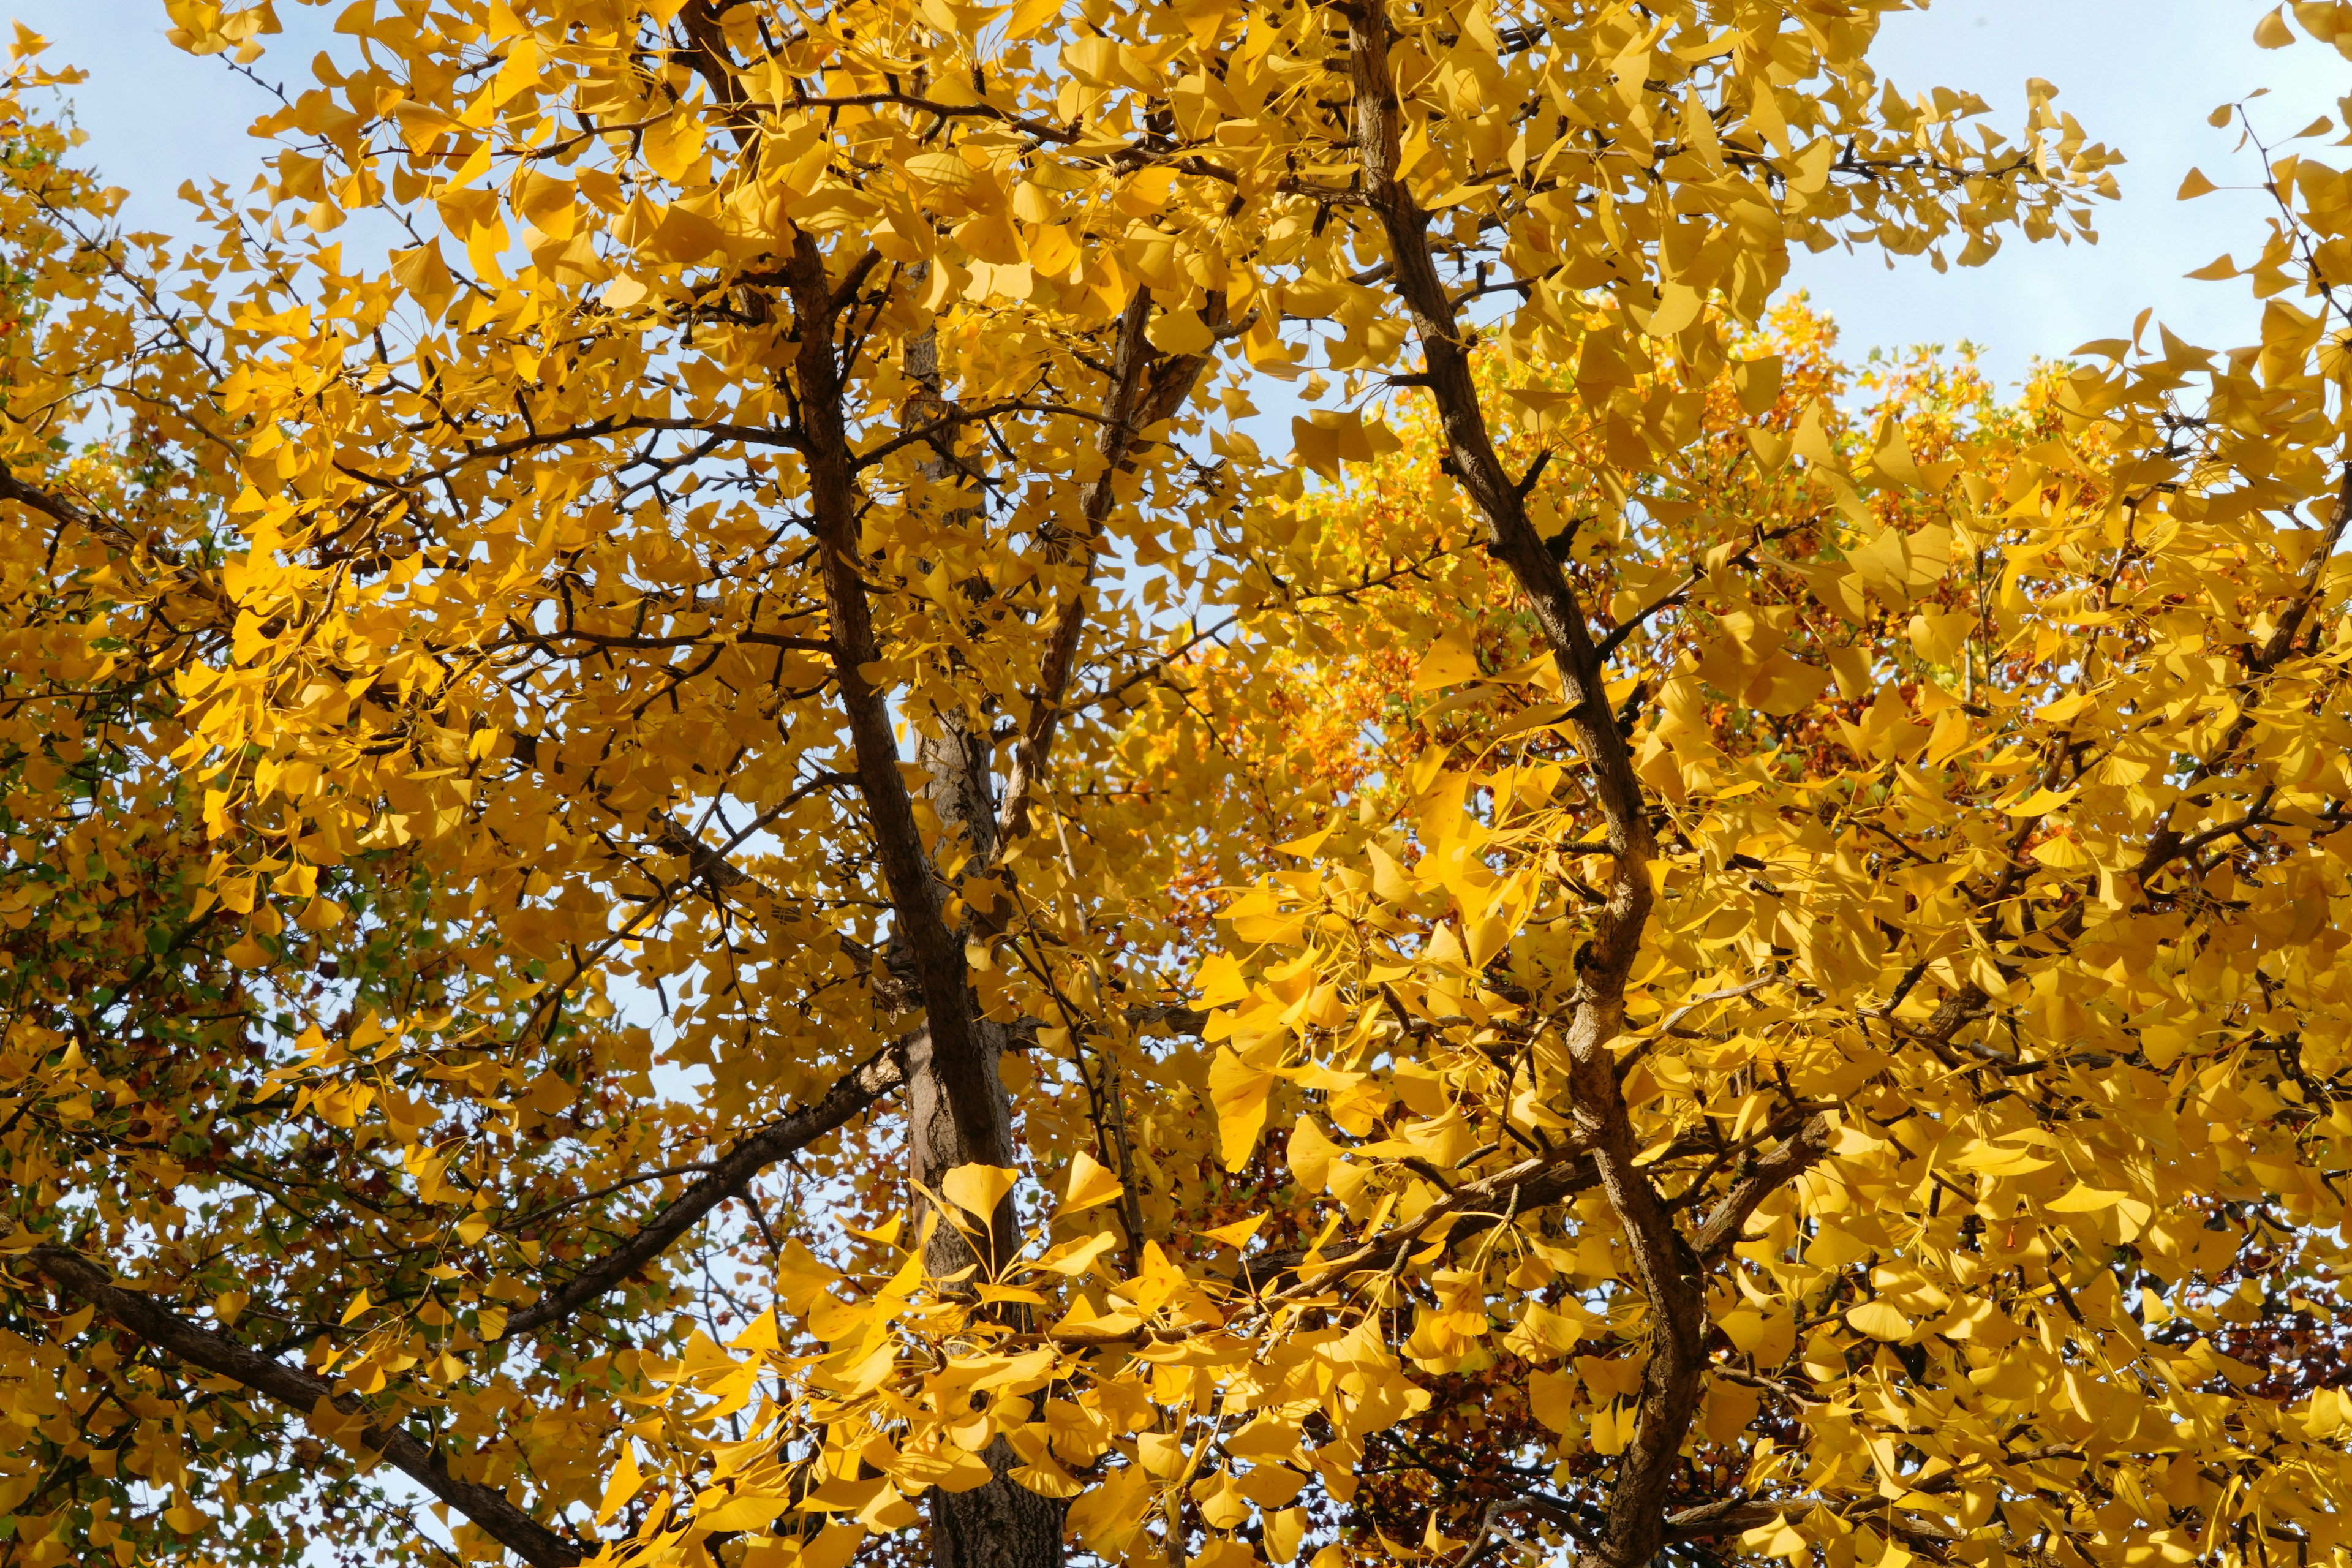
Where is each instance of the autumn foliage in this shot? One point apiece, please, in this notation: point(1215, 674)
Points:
point(716, 854)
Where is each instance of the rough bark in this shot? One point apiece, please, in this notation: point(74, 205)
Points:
point(1004, 1524)
point(1001, 1525)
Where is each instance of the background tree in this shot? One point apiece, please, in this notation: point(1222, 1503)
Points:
point(1743, 1053)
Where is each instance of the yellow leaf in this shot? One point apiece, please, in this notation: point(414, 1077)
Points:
point(1074, 1258)
point(1236, 1234)
point(426, 276)
point(1884, 561)
point(1146, 190)
point(1448, 662)
point(760, 1336)
point(1551, 1397)
point(1219, 981)
point(1879, 1320)
point(2041, 801)
point(1679, 305)
point(1305, 847)
point(1239, 1092)
point(357, 1308)
point(2083, 1198)
point(671, 147)
point(2196, 185)
point(1939, 638)
point(1310, 1155)
point(740, 1511)
point(624, 1485)
point(1181, 331)
point(834, 1546)
point(977, 1189)
point(1283, 1530)
point(1091, 1182)
point(1029, 16)
point(2272, 32)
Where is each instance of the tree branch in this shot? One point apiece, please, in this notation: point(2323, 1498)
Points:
point(1667, 1271)
point(1145, 390)
point(379, 1433)
point(1803, 1151)
point(872, 1078)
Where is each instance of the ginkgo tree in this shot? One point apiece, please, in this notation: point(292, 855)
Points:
point(710, 869)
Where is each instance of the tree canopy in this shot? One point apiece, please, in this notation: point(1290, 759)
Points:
point(710, 862)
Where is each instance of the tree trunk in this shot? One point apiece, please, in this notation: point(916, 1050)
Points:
point(958, 1112)
point(1003, 1524)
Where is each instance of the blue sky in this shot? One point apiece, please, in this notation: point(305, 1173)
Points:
point(2139, 74)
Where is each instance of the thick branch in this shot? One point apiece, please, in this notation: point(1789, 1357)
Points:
point(1731, 1516)
point(956, 1056)
point(1800, 1154)
point(1471, 1209)
point(867, 1082)
point(1144, 391)
point(379, 1433)
point(59, 510)
point(1667, 1270)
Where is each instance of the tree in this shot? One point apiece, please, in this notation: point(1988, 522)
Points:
point(1809, 1024)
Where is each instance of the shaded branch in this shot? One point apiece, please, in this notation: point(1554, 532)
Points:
point(865, 1084)
point(379, 1433)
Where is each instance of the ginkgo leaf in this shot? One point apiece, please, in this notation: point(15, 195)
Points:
point(1219, 981)
point(1879, 1320)
point(1551, 1397)
point(2041, 802)
point(1091, 1182)
point(977, 1189)
point(624, 1483)
point(1448, 662)
point(1076, 1256)
point(1310, 1154)
point(741, 1511)
point(1285, 1528)
point(1238, 1233)
point(1239, 1092)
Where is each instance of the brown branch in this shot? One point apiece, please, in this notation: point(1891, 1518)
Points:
point(59, 510)
point(1667, 1273)
point(1803, 1151)
point(952, 1056)
point(1145, 390)
point(925, 435)
point(1732, 1516)
point(1471, 1209)
point(379, 1433)
point(865, 1084)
